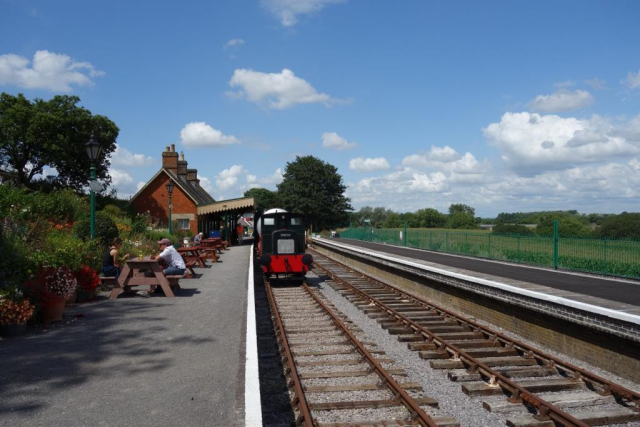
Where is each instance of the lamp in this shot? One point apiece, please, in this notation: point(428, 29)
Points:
point(93, 151)
point(170, 185)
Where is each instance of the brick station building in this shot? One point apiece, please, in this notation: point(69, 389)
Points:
point(192, 207)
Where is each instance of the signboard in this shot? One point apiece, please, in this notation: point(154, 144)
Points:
point(95, 186)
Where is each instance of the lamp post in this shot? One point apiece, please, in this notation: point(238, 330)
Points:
point(170, 190)
point(93, 151)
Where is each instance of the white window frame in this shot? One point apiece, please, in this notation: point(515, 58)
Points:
point(181, 223)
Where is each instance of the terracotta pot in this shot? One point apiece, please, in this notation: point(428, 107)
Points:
point(52, 309)
point(10, 331)
point(71, 299)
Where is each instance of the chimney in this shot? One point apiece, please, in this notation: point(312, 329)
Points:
point(170, 159)
point(182, 167)
point(192, 177)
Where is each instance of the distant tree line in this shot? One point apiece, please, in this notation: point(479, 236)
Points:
point(460, 216)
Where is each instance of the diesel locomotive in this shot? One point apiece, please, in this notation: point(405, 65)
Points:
point(281, 243)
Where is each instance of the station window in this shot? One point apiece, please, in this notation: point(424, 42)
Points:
point(183, 224)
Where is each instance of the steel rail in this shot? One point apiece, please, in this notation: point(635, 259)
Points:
point(607, 387)
point(545, 409)
point(303, 407)
point(412, 406)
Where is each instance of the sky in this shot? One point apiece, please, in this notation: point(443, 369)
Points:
point(505, 106)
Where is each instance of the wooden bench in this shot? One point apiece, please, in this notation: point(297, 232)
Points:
point(174, 280)
point(190, 273)
point(107, 283)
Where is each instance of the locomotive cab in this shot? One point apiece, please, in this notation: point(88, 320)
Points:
point(281, 245)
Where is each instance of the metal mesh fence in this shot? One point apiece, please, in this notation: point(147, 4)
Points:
point(601, 256)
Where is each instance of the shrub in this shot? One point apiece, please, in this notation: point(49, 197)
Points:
point(113, 211)
point(625, 225)
point(64, 249)
point(512, 229)
point(106, 229)
point(87, 278)
point(15, 261)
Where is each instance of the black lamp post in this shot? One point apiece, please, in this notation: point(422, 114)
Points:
point(170, 190)
point(93, 151)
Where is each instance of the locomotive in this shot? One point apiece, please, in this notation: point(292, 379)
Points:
point(281, 243)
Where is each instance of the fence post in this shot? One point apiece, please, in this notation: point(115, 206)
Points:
point(605, 258)
point(405, 233)
point(446, 241)
point(518, 249)
point(555, 244)
point(430, 235)
point(489, 239)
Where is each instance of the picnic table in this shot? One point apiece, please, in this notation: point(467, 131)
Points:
point(144, 272)
point(192, 253)
point(214, 242)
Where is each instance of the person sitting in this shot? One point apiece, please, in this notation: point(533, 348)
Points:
point(197, 238)
point(171, 262)
point(110, 262)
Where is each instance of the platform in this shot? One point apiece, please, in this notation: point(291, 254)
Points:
point(137, 361)
point(590, 317)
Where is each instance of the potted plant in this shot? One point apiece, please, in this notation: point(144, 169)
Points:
point(52, 286)
point(88, 281)
point(14, 316)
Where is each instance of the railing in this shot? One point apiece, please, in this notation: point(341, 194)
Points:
point(601, 256)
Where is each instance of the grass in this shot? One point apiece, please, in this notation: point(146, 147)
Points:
point(609, 257)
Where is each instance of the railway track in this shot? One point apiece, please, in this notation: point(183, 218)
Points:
point(337, 377)
point(532, 388)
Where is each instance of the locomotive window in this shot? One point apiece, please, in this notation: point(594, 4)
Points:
point(268, 221)
point(286, 246)
point(296, 221)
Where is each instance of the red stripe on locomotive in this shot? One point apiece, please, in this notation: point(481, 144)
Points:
point(286, 264)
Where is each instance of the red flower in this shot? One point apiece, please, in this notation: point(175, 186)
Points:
point(88, 279)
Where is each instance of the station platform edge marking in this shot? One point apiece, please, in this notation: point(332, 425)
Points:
point(631, 318)
point(252, 405)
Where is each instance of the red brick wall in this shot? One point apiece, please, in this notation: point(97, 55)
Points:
point(155, 199)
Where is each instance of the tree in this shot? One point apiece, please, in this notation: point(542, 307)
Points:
point(264, 199)
point(568, 226)
point(430, 218)
point(461, 208)
point(52, 133)
point(314, 188)
point(461, 220)
point(626, 225)
point(393, 220)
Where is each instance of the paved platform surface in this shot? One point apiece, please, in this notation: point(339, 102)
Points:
point(617, 294)
point(136, 361)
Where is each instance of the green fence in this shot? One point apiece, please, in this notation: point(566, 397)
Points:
point(600, 256)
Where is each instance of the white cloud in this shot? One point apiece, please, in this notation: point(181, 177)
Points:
point(360, 164)
point(275, 90)
point(632, 81)
point(50, 71)
point(123, 157)
point(531, 143)
point(287, 11)
point(233, 43)
point(561, 100)
point(206, 184)
point(120, 178)
point(229, 177)
point(140, 185)
point(566, 83)
point(200, 134)
point(333, 140)
point(597, 83)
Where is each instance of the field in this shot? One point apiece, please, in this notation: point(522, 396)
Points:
point(608, 257)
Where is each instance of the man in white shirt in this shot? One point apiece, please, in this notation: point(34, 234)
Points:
point(174, 264)
point(171, 260)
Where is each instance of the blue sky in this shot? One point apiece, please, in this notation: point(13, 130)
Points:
point(505, 106)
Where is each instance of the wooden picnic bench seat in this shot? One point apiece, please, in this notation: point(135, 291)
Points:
point(190, 264)
point(107, 283)
point(174, 280)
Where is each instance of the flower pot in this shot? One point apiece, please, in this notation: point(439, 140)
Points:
point(84, 295)
point(52, 309)
point(71, 299)
point(10, 331)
